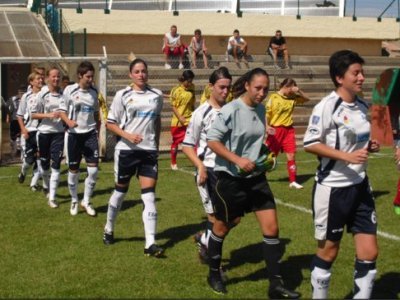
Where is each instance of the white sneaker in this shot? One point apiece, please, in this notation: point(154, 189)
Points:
point(74, 208)
point(295, 185)
point(180, 66)
point(53, 203)
point(167, 66)
point(174, 167)
point(89, 209)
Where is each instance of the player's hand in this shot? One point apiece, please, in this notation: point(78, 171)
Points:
point(54, 115)
point(245, 164)
point(25, 134)
point(135, 138)
point(182, 120)
point(373, 146)
point(202, 176)
point(271, 130)
point(359, 156)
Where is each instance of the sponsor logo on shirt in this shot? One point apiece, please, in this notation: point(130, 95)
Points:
point(315, 120)
point(146, 114)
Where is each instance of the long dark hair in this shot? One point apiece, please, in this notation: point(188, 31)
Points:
point(135, 62)
point(186, 75)
point(238, 88)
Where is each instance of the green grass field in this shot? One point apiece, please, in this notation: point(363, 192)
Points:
point(46, 253)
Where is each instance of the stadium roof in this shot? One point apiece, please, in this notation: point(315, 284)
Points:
point(24, 34)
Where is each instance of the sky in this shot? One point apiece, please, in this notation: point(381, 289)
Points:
point(372, 8)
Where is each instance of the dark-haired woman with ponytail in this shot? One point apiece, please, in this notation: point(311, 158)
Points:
point(182, 99)
point(135, 117)
point(237, 136)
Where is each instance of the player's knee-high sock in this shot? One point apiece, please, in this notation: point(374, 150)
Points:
point(54, 180)
point(149, 215)
point(114, 205)
point(46, 177)
point(205, 237)
point(292, 170)
point(320, 277)
point(24, 168)
point(174, 154)
point(397, 198)
point(215, 253)
point(364, 276)
point(90, 183)
point(36, 174)
point(73, 179)
point(272, 255)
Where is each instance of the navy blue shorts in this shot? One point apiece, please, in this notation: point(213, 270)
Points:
point(51, 146)
point(30, 148)
point(130, 163)
point(83, 144)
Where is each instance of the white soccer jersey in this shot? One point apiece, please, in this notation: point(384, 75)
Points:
point(81, 106)
point(137, 112)
point(48, 102)
point(196, 133)
point(28, 102)
point(343, 126)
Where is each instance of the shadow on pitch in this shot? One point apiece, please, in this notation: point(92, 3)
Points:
point(301, 178)
point(378, 193)
point(291, 269)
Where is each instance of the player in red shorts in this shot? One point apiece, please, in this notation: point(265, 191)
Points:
point(280, 130)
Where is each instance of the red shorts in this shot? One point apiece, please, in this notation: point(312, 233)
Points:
point(283, 140)
point(178, 51)
point(178, 134)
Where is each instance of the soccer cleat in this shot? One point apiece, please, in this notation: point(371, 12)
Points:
point(202, 249)
point(280, 292)
point(167, 66)
point(154, 250)
point(89, 209)
point(74, 209)
point(174, 167)
point(53, 203)
point(108, 238)
point(180, 66)
point(295, 185)
point(35, 188)
point(397, 210)
point(286, 67)
point(21, 177)
point(217, 284)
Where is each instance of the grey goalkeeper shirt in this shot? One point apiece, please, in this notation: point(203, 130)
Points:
point(241, 128)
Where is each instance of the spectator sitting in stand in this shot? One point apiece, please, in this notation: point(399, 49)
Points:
point(277, 47)
point(173, 47)
point(198, 47)
point(237, 47)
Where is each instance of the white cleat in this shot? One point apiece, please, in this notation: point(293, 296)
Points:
point(89, 209)
point(295, 185)
point(74, 208)
point(180, 66)
point(174, 167)
point(53, 203)
point(167, 66)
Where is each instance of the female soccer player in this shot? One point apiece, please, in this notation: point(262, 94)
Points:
point(195, 148)
point(237, 136)
point(339, 134)
point(135, 117)
point(182, 99)
point(51, 132)
point(280, 130)
point(80, 111)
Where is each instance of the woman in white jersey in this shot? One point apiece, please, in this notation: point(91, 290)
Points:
point(237, 136)
point(339, 134)
point(135, 117)
point(196, 149)
point(51, 132)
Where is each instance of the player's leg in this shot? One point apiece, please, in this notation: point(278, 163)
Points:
point(396, 201)
point(124, 168)
point(74, 158)
point(288, 143)
point(56, 153)
point(44, 147)
point(91, 154)
point(28, 155)
point(178, 134)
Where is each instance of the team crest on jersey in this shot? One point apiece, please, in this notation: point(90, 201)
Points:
point(346, 120)
point(313, 130)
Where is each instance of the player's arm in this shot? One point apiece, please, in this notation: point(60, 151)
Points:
point(24, 131)
point(131, 137)
point(359, 156)
point(70, 123)
point(157, 126)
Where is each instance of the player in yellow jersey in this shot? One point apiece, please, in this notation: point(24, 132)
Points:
point(182, 98)
point(280, 130)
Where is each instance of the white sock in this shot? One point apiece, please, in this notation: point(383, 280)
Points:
point(54, 180)
point(364, 277)
point(204, 239)
point(149, 217)
point(35, 177)
point(25, 166)
point(90, 183)
point(73, 179)
point(320, 283)
point(46, 178)
point(114, 205)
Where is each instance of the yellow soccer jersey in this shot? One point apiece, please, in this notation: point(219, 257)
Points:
point(207, 93)
point(279, 109)
point(183, 100)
